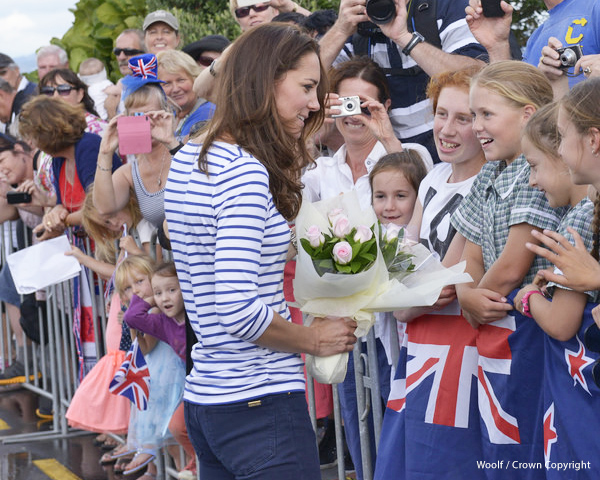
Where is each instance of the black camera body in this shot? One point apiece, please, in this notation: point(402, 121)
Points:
point(569, 56)
point(13, 197)
point(381, 11)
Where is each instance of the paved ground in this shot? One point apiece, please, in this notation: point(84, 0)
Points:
point(74, 458)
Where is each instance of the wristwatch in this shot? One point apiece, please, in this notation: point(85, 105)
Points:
point(525, 302)
point(414, 41)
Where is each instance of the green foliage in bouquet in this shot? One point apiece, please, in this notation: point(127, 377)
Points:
point(352, 253)
point(398, 262)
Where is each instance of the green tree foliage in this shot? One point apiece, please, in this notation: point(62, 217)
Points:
point(97, 23)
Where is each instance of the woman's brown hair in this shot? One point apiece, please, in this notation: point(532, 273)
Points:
point(246, 110)
point(72, 79)
point(408, 162)
point(52, 124)
point(363, 68)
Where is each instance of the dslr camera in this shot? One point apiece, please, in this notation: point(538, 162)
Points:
point(350, 106)
point(381, 11)
point(569, 56)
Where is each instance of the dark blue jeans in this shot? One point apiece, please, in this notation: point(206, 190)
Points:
point(268, 438)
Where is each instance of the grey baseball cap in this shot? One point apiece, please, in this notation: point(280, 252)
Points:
point(161, 16)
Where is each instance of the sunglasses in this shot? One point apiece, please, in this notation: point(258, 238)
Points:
point(130, 52)
point(204, 61)
point(63, 90)
point(245, 11)
point(591, 340)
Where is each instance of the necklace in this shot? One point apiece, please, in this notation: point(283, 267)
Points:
point(159, 181)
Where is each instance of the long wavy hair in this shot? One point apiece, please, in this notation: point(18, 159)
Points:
point(246, 110)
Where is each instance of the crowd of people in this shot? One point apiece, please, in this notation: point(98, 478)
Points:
point(487, 159)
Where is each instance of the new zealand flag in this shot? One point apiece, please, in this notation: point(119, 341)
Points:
point(572, 403)
point(464, 400)
point(132, 380)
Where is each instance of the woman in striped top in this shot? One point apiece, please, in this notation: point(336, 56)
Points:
point(227, 203)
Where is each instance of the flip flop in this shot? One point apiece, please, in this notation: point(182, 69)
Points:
point(142, 466)
point(109, 458)
point(99, 440)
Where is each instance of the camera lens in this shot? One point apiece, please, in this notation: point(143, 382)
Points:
point(568, 58)
point(381, 11)
point(350, 106)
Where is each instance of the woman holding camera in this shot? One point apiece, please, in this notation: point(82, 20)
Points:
point(227, 202)
point(146, 174)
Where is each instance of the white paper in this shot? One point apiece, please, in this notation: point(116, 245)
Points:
point(42, 265)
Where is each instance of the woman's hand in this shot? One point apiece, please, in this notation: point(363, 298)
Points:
point(38, 198)
point(332, 104)
point(333, 335)
point(128, 244)
point(589, 65)
point(54, 220)
point(481, 306)
point(380, 124)
point(110, 139)
point(580, 271)
point(162, 126)
point(521, 293)
point(77, 253)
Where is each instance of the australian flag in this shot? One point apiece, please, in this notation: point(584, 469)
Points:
point(132, 380)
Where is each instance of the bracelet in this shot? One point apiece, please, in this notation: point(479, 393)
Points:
point(174, 150)
point(100, 167)
point(525, 302)
point(293, 238)
point(211, 69)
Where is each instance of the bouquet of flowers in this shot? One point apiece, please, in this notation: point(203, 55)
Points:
point(347, 268)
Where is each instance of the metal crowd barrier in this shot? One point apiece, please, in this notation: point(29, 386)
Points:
point(55, 371)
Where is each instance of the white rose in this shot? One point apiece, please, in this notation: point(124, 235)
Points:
point(342, 253)
point(391, 231)
point(341, 227)
point(363, 234)
point(314, 236)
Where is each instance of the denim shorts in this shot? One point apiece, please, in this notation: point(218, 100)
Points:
point(269, 438)
point(8, 291)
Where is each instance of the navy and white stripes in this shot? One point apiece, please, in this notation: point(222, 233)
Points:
point(229, 245)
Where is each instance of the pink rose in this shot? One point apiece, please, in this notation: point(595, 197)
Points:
point(341, 227)
point(342, 253)
point(363, 234)
point(391, 231)
point(314, 236)
point(334, 214)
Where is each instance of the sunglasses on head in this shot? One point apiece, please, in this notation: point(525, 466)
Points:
point(591, 340)
point(130, 52)
point(63, 90)
point(245, 11)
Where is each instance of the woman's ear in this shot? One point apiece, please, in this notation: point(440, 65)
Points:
point(387, 104)
point(528, 111)
point(594, 134)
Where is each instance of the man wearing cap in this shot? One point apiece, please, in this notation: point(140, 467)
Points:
point(161, 31)
point(207, 49)
point(15, 91)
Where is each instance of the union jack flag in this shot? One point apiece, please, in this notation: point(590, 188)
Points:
point(144, 66)
point(132, 380)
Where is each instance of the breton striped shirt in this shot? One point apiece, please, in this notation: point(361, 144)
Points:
point(229, 245)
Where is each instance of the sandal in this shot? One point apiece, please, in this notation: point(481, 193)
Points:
point(112, 457)
point(109, 444)
point(150, 452)
point(99, 440)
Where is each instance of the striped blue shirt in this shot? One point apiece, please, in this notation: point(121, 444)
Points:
point(229, 245)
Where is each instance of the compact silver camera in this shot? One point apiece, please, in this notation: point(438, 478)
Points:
point(569, 56)
point(350, 106)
